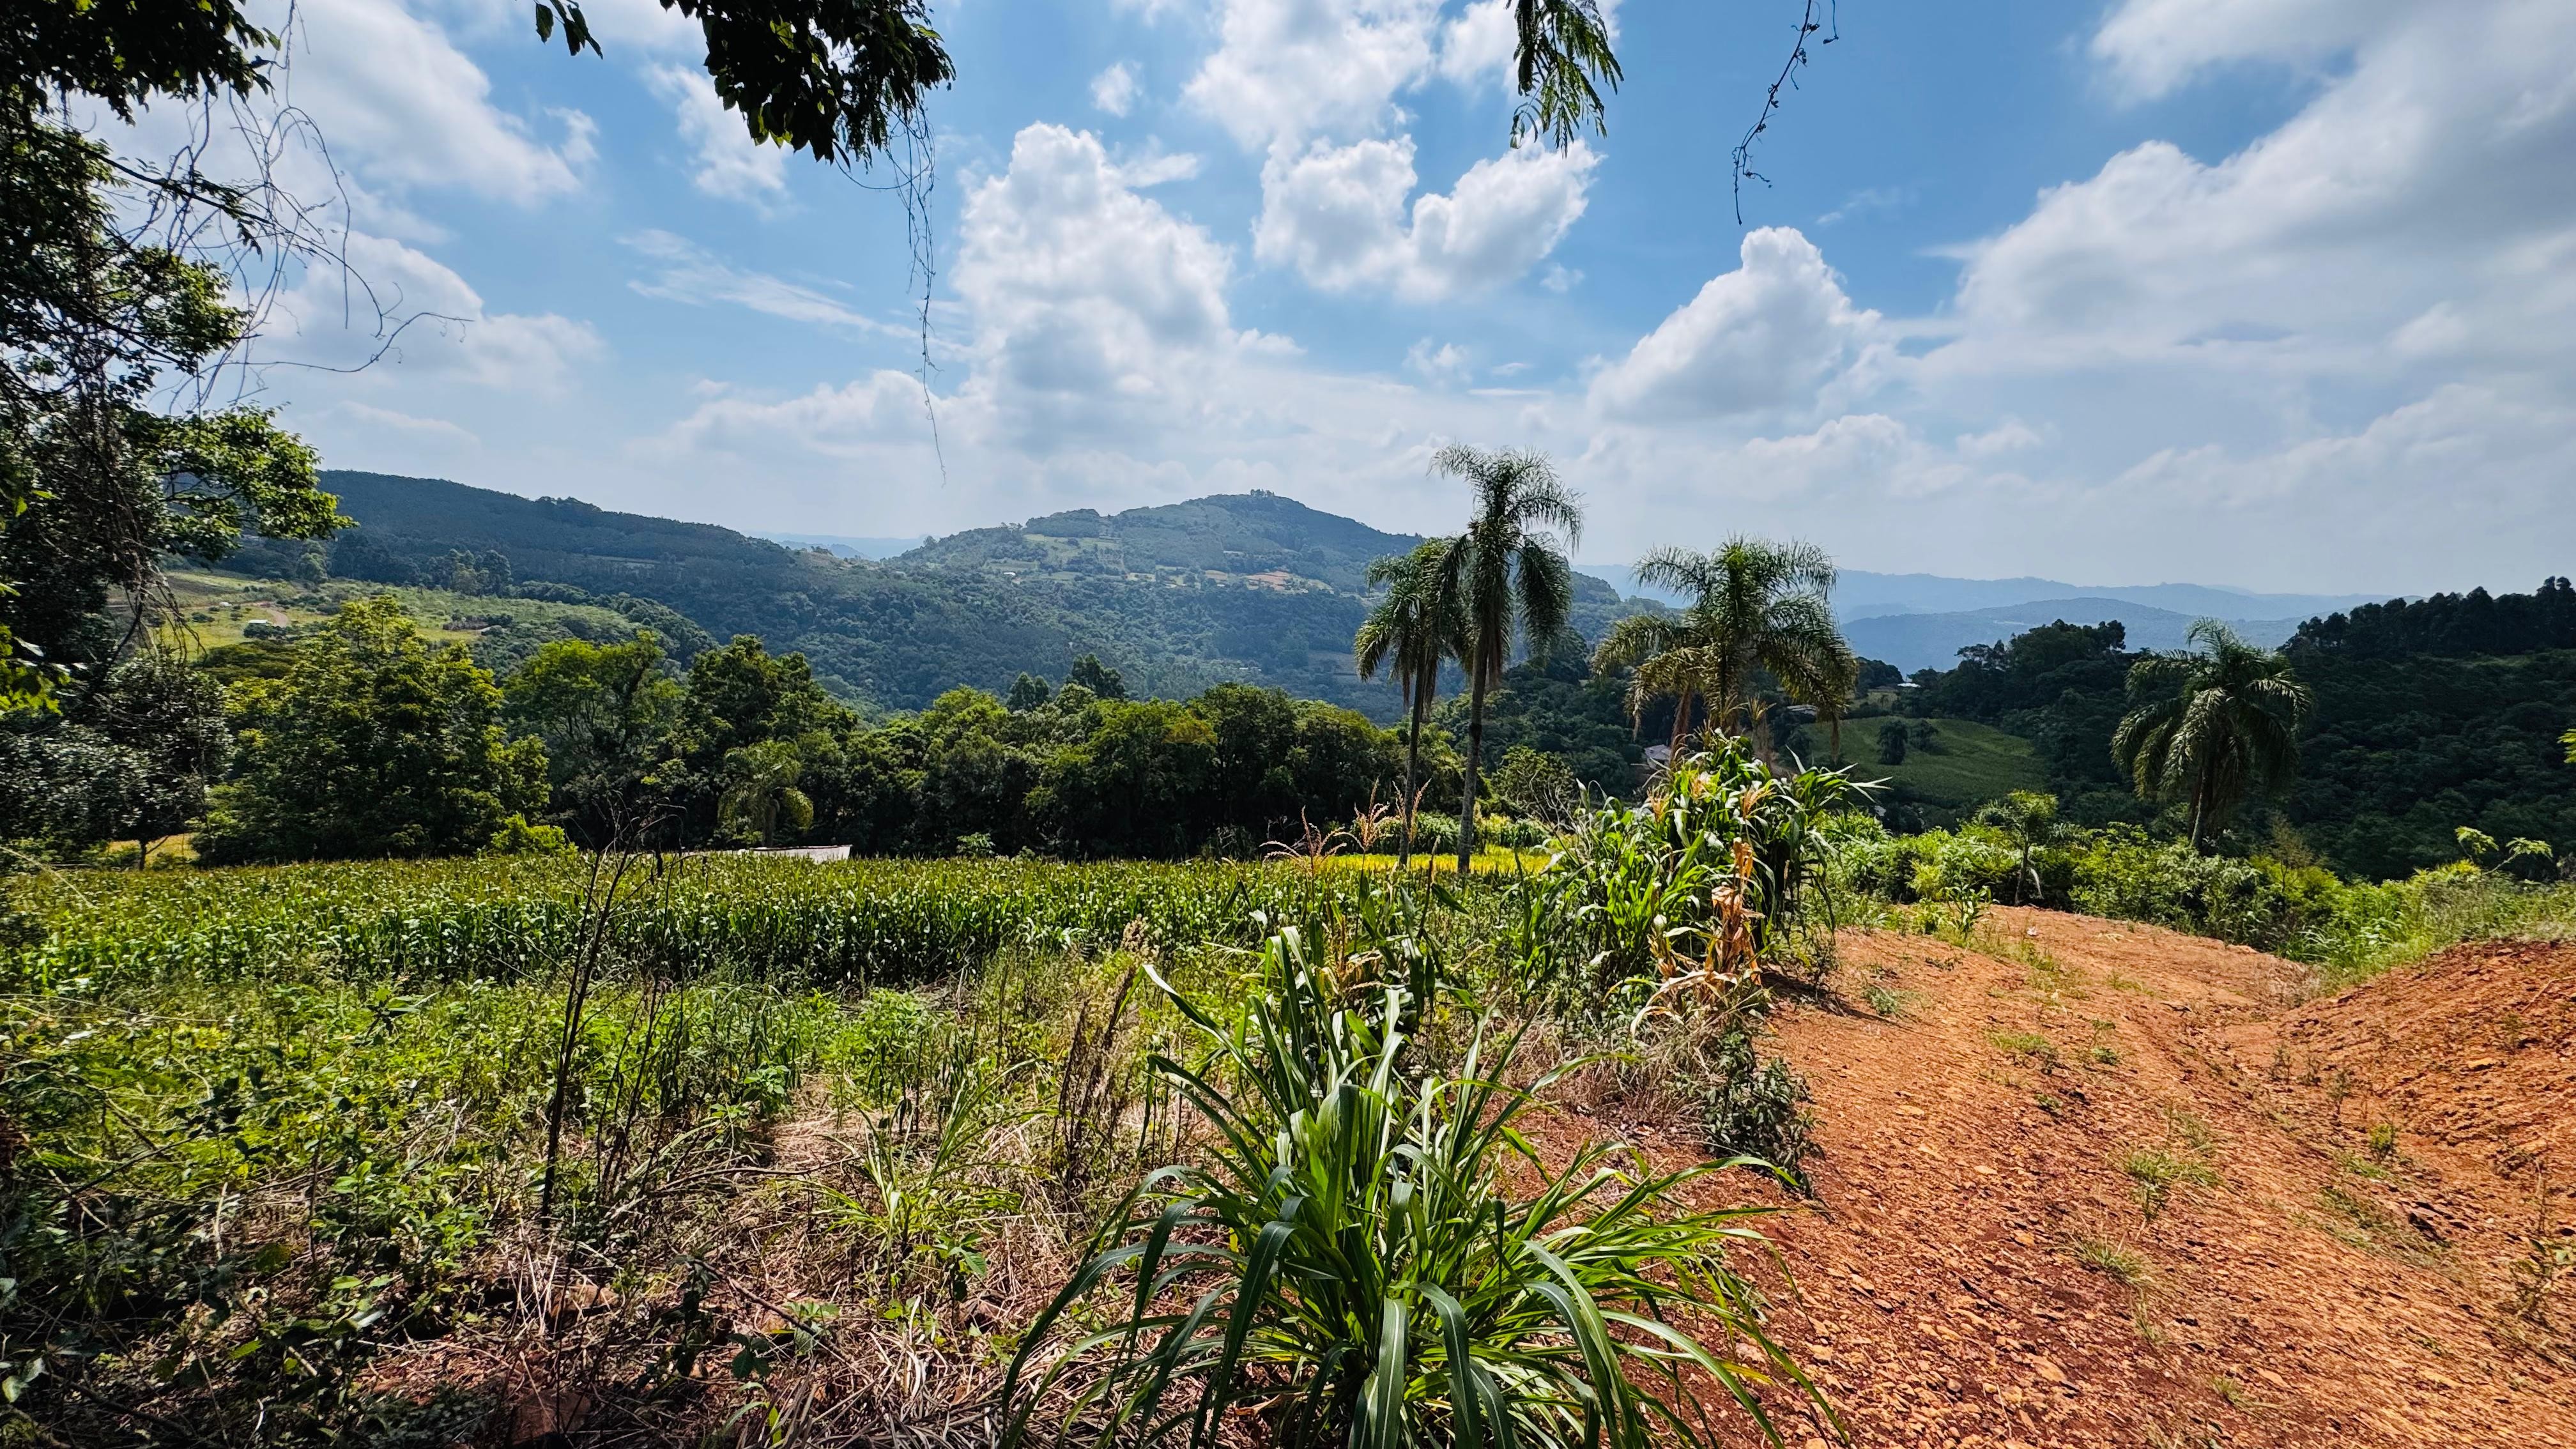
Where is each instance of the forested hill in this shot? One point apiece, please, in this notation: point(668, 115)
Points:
point(1252, 535)
point(1250, 587)
point(2429, 715)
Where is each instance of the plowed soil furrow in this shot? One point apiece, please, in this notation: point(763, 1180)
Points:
point(2097, 1183)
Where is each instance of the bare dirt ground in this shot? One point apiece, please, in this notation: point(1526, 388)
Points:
point(1980, 1265)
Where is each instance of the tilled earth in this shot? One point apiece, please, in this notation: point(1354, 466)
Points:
point(2097, 1183)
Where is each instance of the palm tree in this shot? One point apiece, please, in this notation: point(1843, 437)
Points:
point(1510, 576)
point(1753, 604)
point(1412, 631)
point(2211, 726)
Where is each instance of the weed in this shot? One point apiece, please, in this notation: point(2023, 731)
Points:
point(2025, 1044)
point(2232, 1392)
point(2382, 1141)
point(2154, 1172)
point(2124, 1265)
point(1752, 1106)
point(2105, 1056)
point(1885, 1002)
point(2191, 1129)
point(2049, 1104)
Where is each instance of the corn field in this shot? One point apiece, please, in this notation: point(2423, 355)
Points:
point(791, 923)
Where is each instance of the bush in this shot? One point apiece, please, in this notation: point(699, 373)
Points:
point(517, 837)
point(1753, 1106)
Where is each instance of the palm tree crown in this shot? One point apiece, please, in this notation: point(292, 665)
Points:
point(2212, 726)
point(1510, 577)
point(1752, 604)
point(1417, 626)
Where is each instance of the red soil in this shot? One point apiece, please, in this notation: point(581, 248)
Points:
point(2316, 1293)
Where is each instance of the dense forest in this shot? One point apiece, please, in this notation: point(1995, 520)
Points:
point(2429, 715)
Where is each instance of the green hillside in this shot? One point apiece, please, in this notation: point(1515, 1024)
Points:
point(1251, 588)
point(1946, 775)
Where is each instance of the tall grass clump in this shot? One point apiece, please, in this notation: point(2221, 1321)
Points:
point(1351, 1260)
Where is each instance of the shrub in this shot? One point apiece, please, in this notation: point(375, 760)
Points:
point(517, 837)
point(1753, 1106)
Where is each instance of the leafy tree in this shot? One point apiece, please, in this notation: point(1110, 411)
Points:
point(1139, 785)
point(1028, 692)
point(2209, 728)
point(760, 800)
point(606, 714)
point(744, 695)
point(1754, 606)
point(1103, 681)
point(129, 758)
point(373, 745)
point(838, 79)
point(1537, 785)
point(1415, 627)
point(1510, 576)
point(1891, 742)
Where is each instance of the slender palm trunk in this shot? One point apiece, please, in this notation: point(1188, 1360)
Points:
point(1475, 749)
point(1412, 771)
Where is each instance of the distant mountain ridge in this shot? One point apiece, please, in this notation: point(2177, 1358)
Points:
point(1922, 621)
point(1933, 641)
point(1860, 594)
point(1248, 586)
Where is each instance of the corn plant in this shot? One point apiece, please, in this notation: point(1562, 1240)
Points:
point(1348, 1262)
point(1722, 840)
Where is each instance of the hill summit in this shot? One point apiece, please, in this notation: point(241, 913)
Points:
point(1259, 536)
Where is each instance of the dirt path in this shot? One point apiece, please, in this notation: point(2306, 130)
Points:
point(1983, 1268)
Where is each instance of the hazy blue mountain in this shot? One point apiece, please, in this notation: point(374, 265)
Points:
point(1861, 594)
point(843, 546)
point(1933, 641)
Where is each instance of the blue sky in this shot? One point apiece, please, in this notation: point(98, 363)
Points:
point(2272, 293)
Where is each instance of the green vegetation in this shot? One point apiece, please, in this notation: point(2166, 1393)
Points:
point(793, 923)
point(371, 745)
point(1244, 588)
point(1349, 1251)
point(2155, 1173)
point(1949, 767)
point(2426, 716)
point(2124, 1265)
point(1415, 628)
point(290, 1130)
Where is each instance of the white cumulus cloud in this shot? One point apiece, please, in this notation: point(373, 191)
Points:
point(1767, 335)
point(1337, 215)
